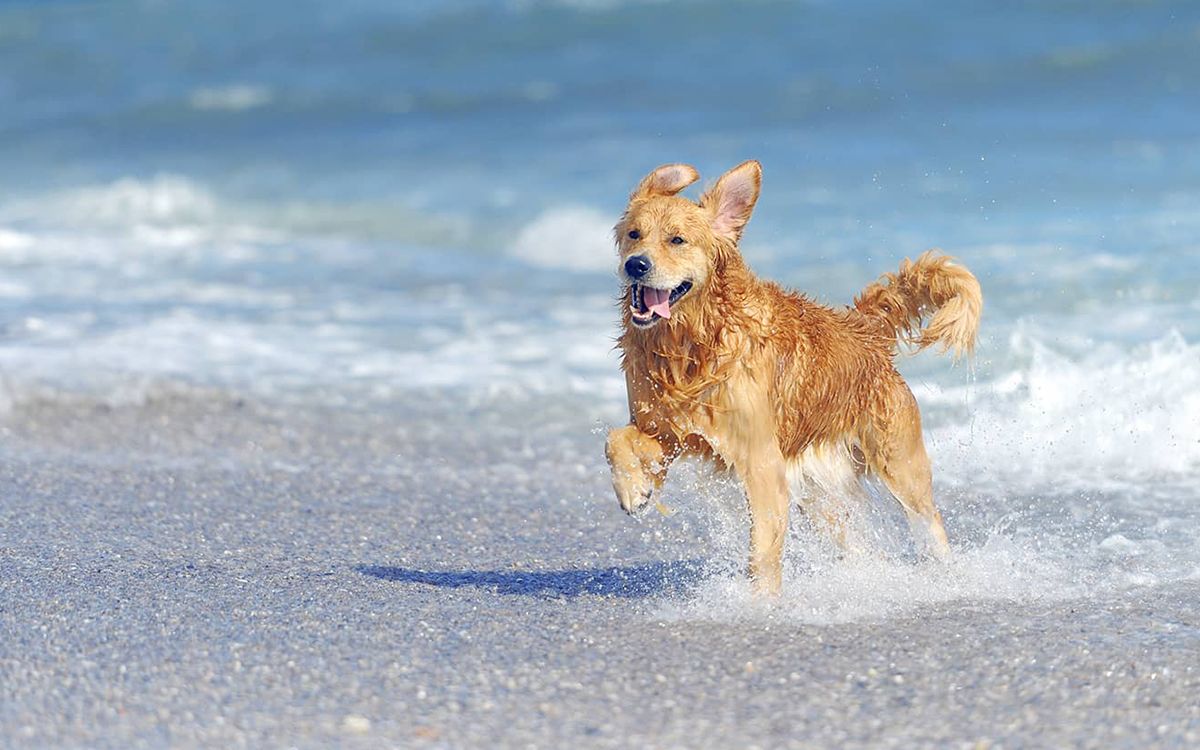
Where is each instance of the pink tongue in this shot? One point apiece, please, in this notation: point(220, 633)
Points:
point(657, 300)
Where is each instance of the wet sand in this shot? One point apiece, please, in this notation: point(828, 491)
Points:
point(197, 571)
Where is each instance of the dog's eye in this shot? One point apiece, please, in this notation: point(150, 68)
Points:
point(676, 240)
point(635, 234)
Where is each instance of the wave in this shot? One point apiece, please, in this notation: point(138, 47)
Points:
point(125, 222)
point(169, 213)
point(285, 354)
point(1107, 417)
point(570, 238)
point(233, 98)
point(164, 198)
point(163, 277)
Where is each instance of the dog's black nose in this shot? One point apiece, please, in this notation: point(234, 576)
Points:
point(637, 266)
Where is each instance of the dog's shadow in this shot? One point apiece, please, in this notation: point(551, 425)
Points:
point(631, 581)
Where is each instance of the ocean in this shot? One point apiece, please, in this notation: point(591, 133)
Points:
point(374, 239)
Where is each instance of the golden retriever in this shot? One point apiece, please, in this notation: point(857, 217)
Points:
point(784, 391)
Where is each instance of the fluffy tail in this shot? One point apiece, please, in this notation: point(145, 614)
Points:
point(933, 286)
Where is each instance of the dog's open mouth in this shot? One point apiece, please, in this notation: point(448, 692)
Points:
point(647, 304)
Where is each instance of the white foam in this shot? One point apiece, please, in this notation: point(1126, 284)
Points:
point(131, 220)
point(571, 238)
point(1020, 557)
point(287, 354)
point(161, 259)
point(163, 198)
point(874, 588)
point(1008, 560)
point(514, 357)
point(233, 98)
point(1109, 417)
point(11, 240)
point(126, 223)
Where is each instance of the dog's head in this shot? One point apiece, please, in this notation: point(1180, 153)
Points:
point(670, 247)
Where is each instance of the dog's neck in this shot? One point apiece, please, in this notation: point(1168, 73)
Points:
point(686, 355)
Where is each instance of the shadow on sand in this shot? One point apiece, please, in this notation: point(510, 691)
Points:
point(631, 581)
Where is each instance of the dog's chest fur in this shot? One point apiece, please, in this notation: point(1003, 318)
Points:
point(678, 382)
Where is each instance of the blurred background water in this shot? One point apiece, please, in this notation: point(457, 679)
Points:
point(406, 207)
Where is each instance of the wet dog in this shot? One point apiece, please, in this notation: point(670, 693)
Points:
point(781, 390)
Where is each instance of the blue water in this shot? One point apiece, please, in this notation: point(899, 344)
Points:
point(406, 207)
point(379, 199)
point(420, 193)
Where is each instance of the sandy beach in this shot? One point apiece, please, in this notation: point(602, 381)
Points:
point(180, 574)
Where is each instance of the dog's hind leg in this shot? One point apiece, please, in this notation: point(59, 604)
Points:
point(826, 486)
point(832, 520)
point(895, 452)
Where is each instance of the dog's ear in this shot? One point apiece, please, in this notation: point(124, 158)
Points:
point(732, 199)
point(668, 179)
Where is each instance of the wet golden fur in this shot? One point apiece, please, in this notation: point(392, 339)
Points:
point(768, 382)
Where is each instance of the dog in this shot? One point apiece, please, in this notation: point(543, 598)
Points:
point(768, 383)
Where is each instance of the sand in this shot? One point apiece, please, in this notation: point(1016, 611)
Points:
point(198, 571)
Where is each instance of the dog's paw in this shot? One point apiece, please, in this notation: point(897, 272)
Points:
point(633, 491)
point(633, 457)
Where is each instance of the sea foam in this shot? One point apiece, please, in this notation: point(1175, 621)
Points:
point(1111, 416)
point(571, 238)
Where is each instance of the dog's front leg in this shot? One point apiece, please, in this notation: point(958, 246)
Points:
point(764, 476)
point(639, 465)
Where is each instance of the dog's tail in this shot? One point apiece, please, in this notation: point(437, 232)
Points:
point(935, 287)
